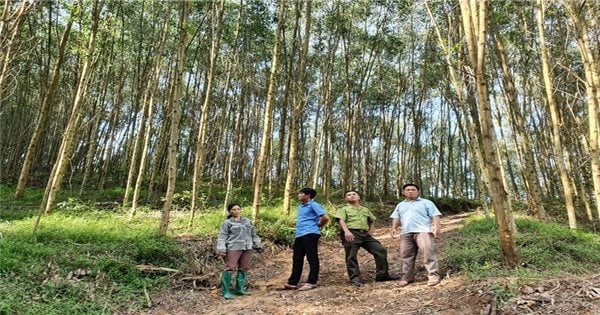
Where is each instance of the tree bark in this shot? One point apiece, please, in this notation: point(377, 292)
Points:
point(560, 155)
point(70, 133)
point(44, 113)
point(474, 18)
point(176, 105)
point(265, 146)
point(298, 109)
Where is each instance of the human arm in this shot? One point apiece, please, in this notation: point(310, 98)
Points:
point(323, 220)
point(222, 239)
point(436, 230)
point(348, 236)
point(395, 225)
point(256, 242)
point(371, 227)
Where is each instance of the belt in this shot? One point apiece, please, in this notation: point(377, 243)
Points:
point(359, 230)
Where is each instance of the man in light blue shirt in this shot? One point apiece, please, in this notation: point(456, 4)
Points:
point(420, 220)
point(311, 217)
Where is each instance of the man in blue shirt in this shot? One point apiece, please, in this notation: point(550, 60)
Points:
point(420, 220)
point(311, 217)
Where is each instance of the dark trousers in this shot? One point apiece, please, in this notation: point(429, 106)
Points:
point(369, 243)
point(306, 245)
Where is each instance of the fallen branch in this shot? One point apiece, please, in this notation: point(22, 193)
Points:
point(150, 268)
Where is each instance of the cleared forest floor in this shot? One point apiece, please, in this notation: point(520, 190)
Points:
point(334, 295)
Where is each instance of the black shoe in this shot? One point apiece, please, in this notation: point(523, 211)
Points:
point(356, 282)
point(387, 278)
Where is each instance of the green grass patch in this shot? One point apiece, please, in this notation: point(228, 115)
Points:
point(544, 250)
point(80, 263)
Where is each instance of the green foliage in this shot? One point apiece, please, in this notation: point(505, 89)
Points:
point(544, 250)
point(42, 273)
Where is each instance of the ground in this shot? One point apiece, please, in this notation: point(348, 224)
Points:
point(454, 295)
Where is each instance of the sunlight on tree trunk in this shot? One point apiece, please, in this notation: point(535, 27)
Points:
point(560, 154)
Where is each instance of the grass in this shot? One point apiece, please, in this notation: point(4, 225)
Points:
point(545, 250)
point(42, 273)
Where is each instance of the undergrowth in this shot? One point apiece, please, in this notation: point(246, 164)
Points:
point(79, 264)
point(544, 250)
point(83, 258)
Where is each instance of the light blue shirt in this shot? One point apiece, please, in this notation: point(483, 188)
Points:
point(308, 217)
point(416, 216)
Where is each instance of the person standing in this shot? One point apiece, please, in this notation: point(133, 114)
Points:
point(420, 221)
point(357, 227)
point(309, 221)
point(236, 241)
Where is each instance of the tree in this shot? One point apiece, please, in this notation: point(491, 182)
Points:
point(175, 105)
point(560, 155)
point(265, 146)
point(70, 132)
point(474, 18)
point(44, 112)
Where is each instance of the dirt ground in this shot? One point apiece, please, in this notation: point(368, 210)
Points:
point(334, 295)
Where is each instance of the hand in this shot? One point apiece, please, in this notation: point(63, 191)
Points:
point(394, 233)
point(436, 232)
point(349, 236)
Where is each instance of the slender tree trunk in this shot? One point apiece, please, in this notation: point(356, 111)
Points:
point(591, 66)
point(474, 18)
point(299, 101)
point(70, 133)
point(175, 104)
point(202, 132)
point(43, 114)
point(560, 154)
point(528, 168)
point(149, 106)
point(9, 43)
point(267, 122)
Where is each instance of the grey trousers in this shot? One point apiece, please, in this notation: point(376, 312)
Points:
point(410, 244)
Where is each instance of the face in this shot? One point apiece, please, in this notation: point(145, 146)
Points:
point(302, 197)
point(235, 212)
point(352, 196)
point(410, 192)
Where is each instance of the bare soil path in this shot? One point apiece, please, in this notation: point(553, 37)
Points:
point(334, 295)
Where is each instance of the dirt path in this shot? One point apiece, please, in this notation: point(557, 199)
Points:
point(454, 295)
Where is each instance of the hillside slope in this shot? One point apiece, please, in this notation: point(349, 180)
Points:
point(454, 295)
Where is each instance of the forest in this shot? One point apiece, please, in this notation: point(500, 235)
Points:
point(178, 108)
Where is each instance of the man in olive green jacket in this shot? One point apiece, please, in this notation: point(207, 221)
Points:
point(356, 223)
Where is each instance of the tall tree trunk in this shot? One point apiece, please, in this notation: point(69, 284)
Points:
point(175, 105)
point(8, 41)
point(591, 65)
point(528, 168)
point(265, 146)
point(560, 154)
point(149, 106)
point(474, 18)
point(43, 115)
point(70, 133)
point(299, 101)
point(202, 132)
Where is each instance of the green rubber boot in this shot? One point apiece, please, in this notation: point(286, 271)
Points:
point(225, 283)
point(240, 283)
